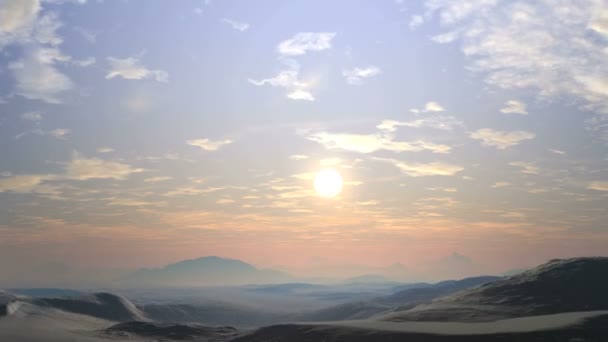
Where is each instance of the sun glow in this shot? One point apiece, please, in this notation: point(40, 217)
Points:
point(328, 183)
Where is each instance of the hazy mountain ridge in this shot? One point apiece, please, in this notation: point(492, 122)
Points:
point(210, 270)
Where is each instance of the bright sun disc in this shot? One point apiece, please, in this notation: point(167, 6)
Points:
point(328, 183)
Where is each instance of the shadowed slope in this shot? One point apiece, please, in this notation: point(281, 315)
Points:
point(101, 305)
point(577, 284)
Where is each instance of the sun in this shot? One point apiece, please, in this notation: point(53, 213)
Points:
point(328, 183)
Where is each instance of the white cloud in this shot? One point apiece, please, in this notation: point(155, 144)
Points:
point(157, 179)
point(31, 116)
point(303, 42)
point(557, 47)
point(556, 151)
point(528, 168)
point(298, 157)
point(17, 15)
point(356, 76)
point(446, 123)
point(501, 139)
point(290, 80)
point(84, 62)
point(237, 25)
point(433, 106)
point(424, 169)
point(59, 133)
point(81, 168)
point(208, 145)
point(37, 77)
point(21, 183)
point(368, 143)
point(300, 94)
point(105, 150)
point(514, 107)
point(415, 21)
point(598, 185)
point(430, 106)
point(131, 69)
point(500, 184)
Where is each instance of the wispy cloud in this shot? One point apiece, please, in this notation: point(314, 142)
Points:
point(59, 133)
point(598, 185)
point(298, 157)
point(130, 68)
point(500, 139)
point(37, 76)
point(81, 168)
point(423, 169)
point(207, 144)
point(237, 25)
point(523, 45)
point(157, 179)
point(446, 123)
point(356, 76)
point(430, 106)
point(368, 143)
point(303, 42)
point(31, 116)
point(289, 79)
point(514, 107)
point(526, 167)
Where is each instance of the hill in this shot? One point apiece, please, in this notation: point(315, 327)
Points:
point(209, 270)
point(577, 284)
point(106, 306)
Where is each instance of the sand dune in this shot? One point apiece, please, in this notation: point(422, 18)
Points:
point(567, 327)
point(577, 284)
point(101, 305)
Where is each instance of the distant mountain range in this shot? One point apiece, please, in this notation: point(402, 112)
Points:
point(211, 270)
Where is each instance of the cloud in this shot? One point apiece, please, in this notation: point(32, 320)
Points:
point(290, 80)
point(81, 168)
point(557, 47)
point(59, 133)
point(157, 179)
point(237, 25)
point(298, 157)
point(598, 185)
point(514, 107)
point(31, 116)
point(424, 169)
point(356, 76)
point(208, 145)
point(433, 106)
point(303, 42)
point(500, 184)
point(85, 62)
point(556, 151)
point(17, 15)
point(131, 69)
point(499, 139)
point(21, 183)
point(430, 106)
point(37, 77)
point(300, 94)
point(415, 21)
point(105, 150)
point(368, 143)
point(446, 123)
point(528, 168)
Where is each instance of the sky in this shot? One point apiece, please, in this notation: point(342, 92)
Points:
point(471, 136)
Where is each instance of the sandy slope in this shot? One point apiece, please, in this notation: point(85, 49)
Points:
point(29, 323)
point(512, 325)
point(566, 327)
